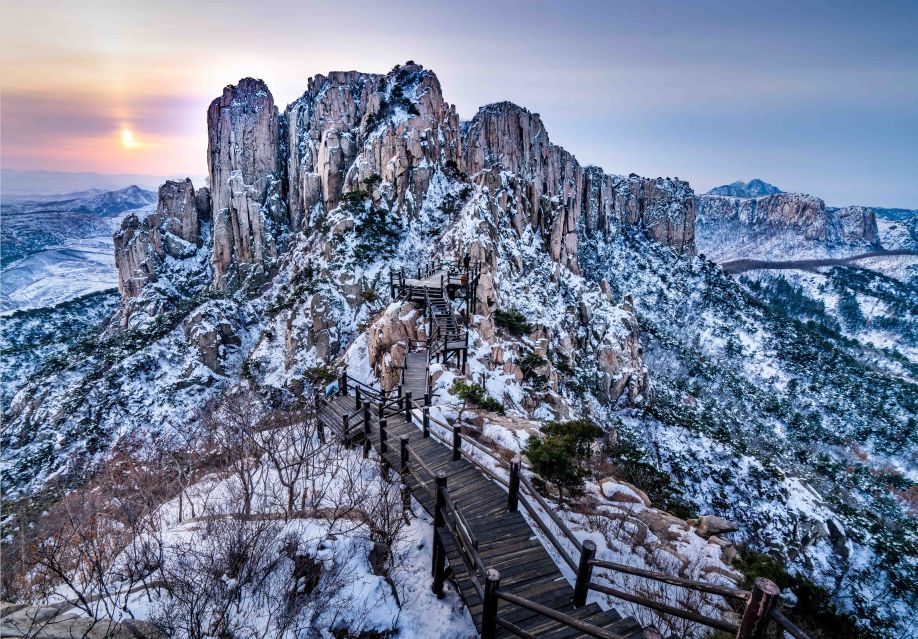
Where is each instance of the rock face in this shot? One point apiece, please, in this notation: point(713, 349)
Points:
point(805, 215)
point(388, 135)
point(245, 176)
point(663, 207)
point(173, 230)
point(178, 206)
point(388, 341)
point(855, 224)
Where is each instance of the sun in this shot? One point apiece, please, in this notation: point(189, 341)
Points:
point(128, 140)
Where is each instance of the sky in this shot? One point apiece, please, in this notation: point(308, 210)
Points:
point(815, 97)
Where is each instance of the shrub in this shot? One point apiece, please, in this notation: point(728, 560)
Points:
point(320, 375)
point(530, 363)
point(476, 395)
point(560, 456)
point(512, 320)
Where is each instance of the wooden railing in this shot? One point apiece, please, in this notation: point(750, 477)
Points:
point(759, 603)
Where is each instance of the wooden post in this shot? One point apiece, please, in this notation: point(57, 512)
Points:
point(584, 573)
point(427, 397)
point(367, 444)
point(513, 497)
point(400, 397)
point(383, 444)
point(382, 411)
point(320, 428)
point(345, 426)
point(357, 397)
point(343, 389)
point(403, 449)
point(425, 422)
point(457, 442)
point(489, 605)
point(408, 407)
point(756, 617)
point(439, 559)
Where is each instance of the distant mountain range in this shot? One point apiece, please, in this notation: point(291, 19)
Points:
point(58, 247)
point(20, 184)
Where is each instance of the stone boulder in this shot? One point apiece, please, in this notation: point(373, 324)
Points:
point(388, 337)
point(709, 525)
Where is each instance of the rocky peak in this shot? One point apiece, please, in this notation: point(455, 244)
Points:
point(173, 231)
point(245, 170)
point(663, 207)
point(508, 137)
point(349, 127)
point(753, 188)
point(178, 207)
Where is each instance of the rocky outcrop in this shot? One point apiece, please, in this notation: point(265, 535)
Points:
point(805, 215)
point(388, 341)
point(663, 207)
point(213, 329)
point(854, 224)
point(173, 230)
point(508, 137)
point(352, 131)
point(138, 250)
point(178, 207)
point(65, 621)
point(243, 161)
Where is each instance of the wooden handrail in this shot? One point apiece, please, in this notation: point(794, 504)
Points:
point(551, 513)
point(567, 620)
point(519, 632)
point(421, 463)
point(453, 506)
point(726, 626)
point(788, 625)
point(548, 533)
point(693, 584)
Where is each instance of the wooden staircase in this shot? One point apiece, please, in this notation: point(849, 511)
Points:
point(503, 539)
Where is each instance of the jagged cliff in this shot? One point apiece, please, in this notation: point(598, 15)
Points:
point(243, 160)
point(174, 230)
point(781, 226)
point(272, 175)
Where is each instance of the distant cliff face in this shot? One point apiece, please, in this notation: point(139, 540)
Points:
point(664, 207)
point(780, 226)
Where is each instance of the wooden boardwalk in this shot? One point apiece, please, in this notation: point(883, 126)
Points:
point(414, 375)
point(505, 540)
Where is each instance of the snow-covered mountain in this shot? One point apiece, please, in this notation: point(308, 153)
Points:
point(59, 248)
point(752, 188)
point(743, 399)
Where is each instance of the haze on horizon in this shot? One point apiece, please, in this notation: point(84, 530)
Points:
point(815, 97)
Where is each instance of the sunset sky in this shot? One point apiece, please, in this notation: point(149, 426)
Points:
point(814, 97)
